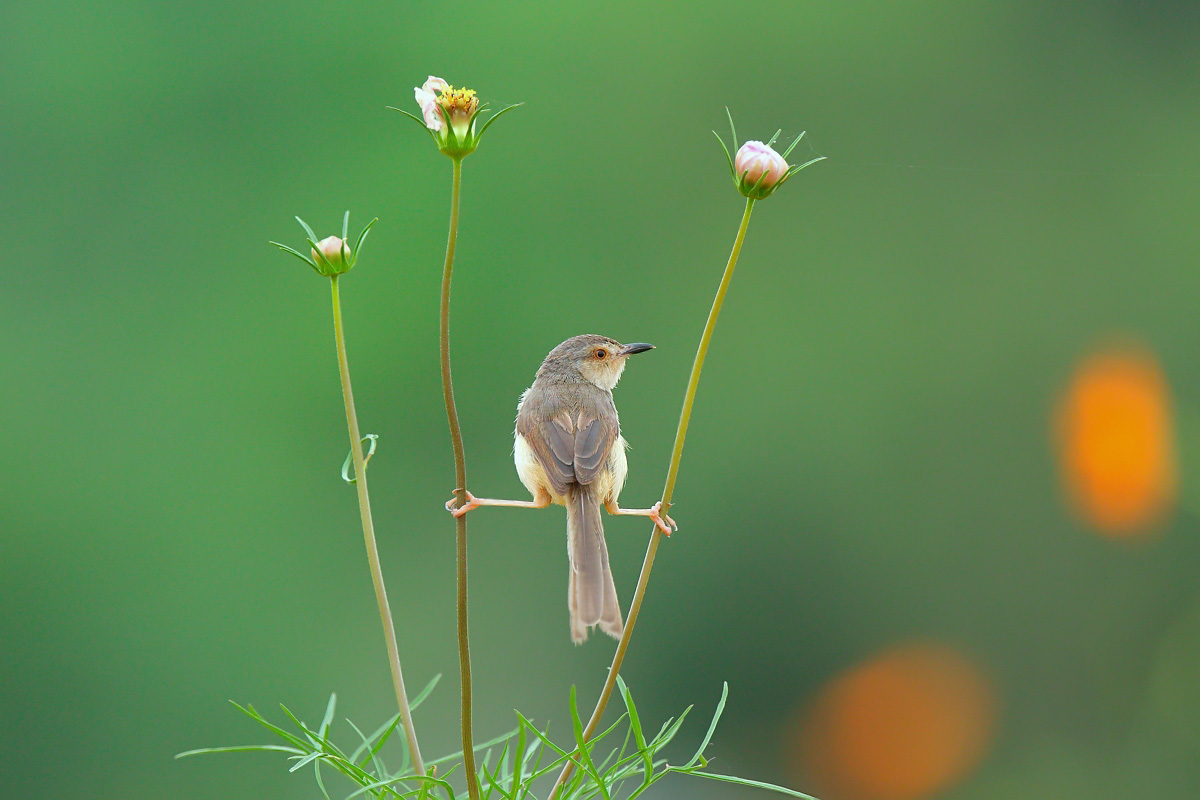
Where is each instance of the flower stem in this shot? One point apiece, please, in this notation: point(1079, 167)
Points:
point(460, 478)
point(685, 417)
point(368, 526)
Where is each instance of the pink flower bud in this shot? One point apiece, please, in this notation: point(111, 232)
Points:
point(336, 252)
point(753, 161)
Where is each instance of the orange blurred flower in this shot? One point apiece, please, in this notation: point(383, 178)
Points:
point(903, 725)
point(1115, 437)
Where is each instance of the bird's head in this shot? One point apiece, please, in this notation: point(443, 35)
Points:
point(597, 359)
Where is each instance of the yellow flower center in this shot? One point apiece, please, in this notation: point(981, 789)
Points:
point(458, 101)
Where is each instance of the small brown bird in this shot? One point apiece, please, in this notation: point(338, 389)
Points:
point(569, 451)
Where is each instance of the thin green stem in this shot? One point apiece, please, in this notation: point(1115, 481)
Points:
point(460, 477)
point(685, 417)
point(368, 526)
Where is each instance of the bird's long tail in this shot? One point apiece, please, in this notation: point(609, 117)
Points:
point(591, 593)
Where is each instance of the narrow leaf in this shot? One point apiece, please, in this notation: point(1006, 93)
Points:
point(712, 776)
point(712, 726)
point(328, 718)
point(635, 724)
point(244, 748)
point(303, 761)
point(421, 695)
point(278, 731)
point(581, 748)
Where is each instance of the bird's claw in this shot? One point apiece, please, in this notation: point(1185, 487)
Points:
point(471, 503)
point(665, 526)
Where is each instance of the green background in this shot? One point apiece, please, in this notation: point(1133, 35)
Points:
point(869, 461)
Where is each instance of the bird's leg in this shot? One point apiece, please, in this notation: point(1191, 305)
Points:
point(473, 502)
point(664, 523)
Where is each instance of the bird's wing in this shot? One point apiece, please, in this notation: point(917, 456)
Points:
point(571, 445)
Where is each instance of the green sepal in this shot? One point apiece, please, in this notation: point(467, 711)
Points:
point(728, 158)
point(792, 146)
point(493, 118)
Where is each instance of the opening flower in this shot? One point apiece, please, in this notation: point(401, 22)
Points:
point(440, 102)
point(449, 115)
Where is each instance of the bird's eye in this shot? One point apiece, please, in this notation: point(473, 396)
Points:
point(601, 354)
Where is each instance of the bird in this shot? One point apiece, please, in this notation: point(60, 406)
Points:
point(568, 450)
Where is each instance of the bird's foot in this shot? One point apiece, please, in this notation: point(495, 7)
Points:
point(458, 511)
point(664, 522)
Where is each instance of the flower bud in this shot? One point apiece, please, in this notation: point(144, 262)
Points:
point(336, 252)
point(758, 169)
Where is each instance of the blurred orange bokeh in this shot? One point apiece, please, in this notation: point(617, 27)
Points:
point(1115, 438)
point(901, 726)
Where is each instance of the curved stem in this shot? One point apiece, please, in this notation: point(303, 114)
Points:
point(368, 526)
point(460, 477)
point(685, 417)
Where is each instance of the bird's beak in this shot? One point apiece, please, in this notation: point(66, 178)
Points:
point(636, 347)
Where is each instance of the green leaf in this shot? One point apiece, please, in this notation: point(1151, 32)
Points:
point(317, 739)
point(669, 730)
point(731, 128)
point(421, 695)
point(712, 726)
point(387, 783)
point(328, 718)
point(366, 745)
point(296, 741)
point(545, 739)
point(636, 724)
point(303, 761)
point(581, 748)
point(476, 748)
point(518, 754)
point(346, 225)
point(712, 776)
point(244, 748)
point(319, 779)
